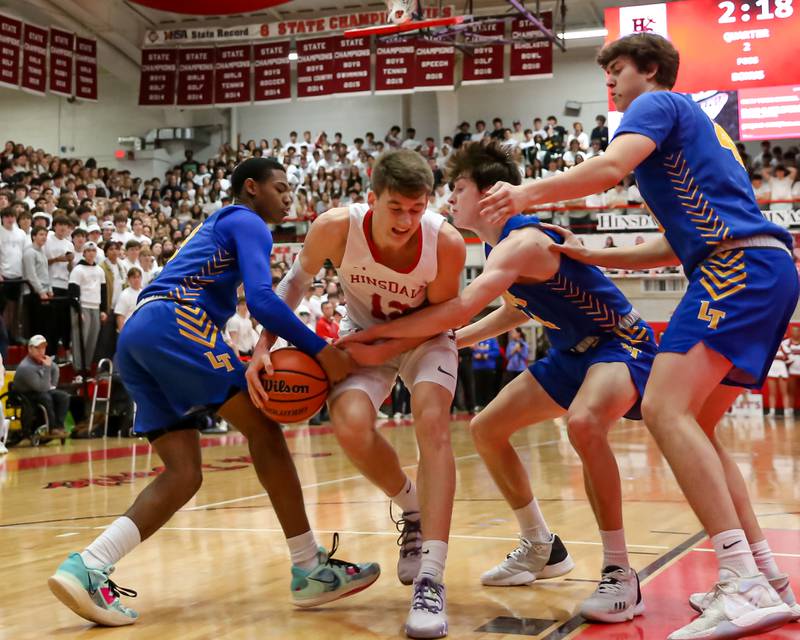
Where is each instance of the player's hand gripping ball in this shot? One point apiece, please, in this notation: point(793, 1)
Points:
point(298, 388)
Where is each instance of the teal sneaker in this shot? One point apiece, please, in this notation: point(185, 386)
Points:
point(90, 593)
point(331, 579)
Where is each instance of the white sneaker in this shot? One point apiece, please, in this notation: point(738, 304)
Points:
point(410, 543)
point(617, 598)
point(737, 607)
point(529, 562)
point(3, 449)
point(700, 601)
point(771, 413)
point(788, 413)
point(428, 615)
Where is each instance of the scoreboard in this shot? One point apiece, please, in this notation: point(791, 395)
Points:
point(739, 58)
point(725, 45)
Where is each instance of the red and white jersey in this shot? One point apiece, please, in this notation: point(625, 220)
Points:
point(374, 293)
point(791, 352)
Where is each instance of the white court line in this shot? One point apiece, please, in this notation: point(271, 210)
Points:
point(67, 535)
point(356, 477)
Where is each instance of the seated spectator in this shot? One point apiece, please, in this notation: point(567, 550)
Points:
point(462, 136)
point(761, 189)
point(573, 153)
point(326, 325)
point(617, 198)
point(600, 132)
point(780, 180)
point(126, 304)
point(595, 149)
point(36, 378)
point(580, 135)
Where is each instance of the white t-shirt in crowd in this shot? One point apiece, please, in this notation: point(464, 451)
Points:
point(246, 335)
point(127, 265)
point(122, 237)
point(59, 271)
point(142, 239)
point(89, 278)
point(126, 303)
point(12, 244)
point(780, 188)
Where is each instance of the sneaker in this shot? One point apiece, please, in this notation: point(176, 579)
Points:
point(428, 617)
point(788, 413)
point(410, 543)
point(737, 607)
point(771, 413)
point(700, 601)
point(90, 593)
point(529, 562)
point(331, 579)
point(3, 448)
point(617, 598)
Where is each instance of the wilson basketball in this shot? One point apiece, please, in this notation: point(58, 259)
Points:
point(298, 388)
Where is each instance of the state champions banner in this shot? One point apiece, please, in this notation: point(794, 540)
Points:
point(394, 65)
point(10, 51)
point(34, 59)
point(534, 58)
point(195, 77)
point(352, 66)
point(315, 68)
point(158, 77)
point(86, 69)
point(483, 64)
point(232, 72)
point(62, 55)
point(435, 66)
point(272, 73)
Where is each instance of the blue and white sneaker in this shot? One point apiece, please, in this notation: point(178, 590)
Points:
point(331, 579)
point(90, 593)
point(428, 615)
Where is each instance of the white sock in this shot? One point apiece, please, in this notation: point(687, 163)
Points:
point(765, 561)
point(615, 552)
point(434, 555)
point(112, 545)
point(531, 522)
point(734, 553)
point(407, 499)
point(304, 550)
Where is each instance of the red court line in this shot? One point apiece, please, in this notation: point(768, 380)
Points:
point(12, 463)
point(665, 595)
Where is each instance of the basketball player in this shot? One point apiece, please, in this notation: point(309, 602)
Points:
point(724, 333)
point(595, 373)
point(392, 256)
point(173, 362)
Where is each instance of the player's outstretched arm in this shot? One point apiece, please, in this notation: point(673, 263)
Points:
point(501, 320)
point(651, 253)
point(502, 268)
point(326, 239)
point(600, 173)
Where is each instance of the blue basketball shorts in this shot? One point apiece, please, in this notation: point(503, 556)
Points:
point(738, 303)
point(561, 373)
point(174, 362)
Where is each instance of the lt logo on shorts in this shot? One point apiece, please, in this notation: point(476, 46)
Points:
point(712, 316)
point(222, 360)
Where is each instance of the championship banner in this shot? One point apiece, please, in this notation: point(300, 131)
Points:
point(315, 68)
point(435, 65)
point(62, 53)
point(352, 67)
point(85, 69)
point(394, 66)
point(283, 29)
point(483, 64)
point(533, 59)
point(232, 75)
point(272, 72)
point(196, 77)
point(157, 79)
point(10, 46)
point(34, 59)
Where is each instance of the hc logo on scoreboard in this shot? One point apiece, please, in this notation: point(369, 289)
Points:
point(648, 18)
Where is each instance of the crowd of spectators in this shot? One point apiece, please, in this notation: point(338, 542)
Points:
point(78, 241)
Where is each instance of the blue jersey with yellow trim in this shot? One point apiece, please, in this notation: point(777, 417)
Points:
point(577, 302)
point(694, 183)
point(230, 248)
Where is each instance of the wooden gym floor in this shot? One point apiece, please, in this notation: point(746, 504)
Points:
point(220, 569)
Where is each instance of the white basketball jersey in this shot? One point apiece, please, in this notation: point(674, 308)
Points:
point(374, 293)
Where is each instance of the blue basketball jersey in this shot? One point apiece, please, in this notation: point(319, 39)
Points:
point(694, 183)
point(579, 301)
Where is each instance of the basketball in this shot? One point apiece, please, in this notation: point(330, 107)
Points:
point(298, 388)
